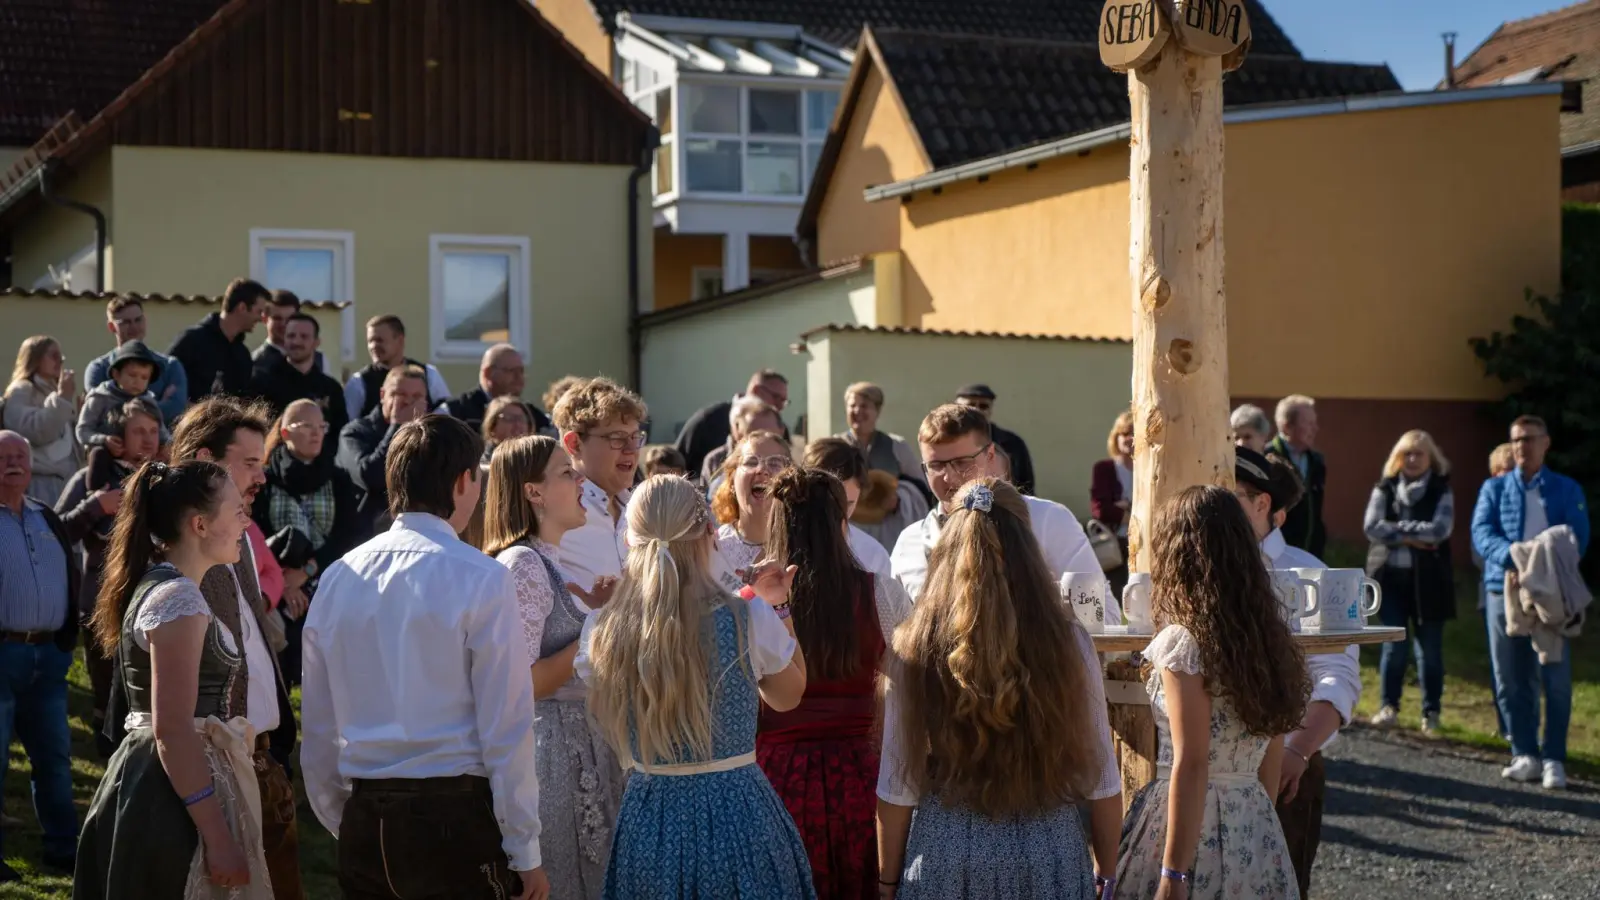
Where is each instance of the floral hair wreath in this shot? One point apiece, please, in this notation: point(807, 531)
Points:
point(979, 498)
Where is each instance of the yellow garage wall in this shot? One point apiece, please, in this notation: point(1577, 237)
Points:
point(185, 217)
point(80, 325)
point(1363, 249)
point(577, 22)
point(709, 356)
point(53, 235)
point(880, 147)
point(1065, 429)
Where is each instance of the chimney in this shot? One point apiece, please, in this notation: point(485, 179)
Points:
point(1449, 59)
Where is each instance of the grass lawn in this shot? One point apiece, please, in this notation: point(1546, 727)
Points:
point(22, 848)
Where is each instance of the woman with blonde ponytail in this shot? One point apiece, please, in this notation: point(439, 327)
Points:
point(994, 725)
point(178, 811)
point(677, 670)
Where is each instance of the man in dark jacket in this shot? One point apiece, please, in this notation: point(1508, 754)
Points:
point(501, 375)
point(981, 398)
point(39, 584)
point(213, 352)
point(295, 376)
point(280, 309)
point(386, 345)
point(1297, 434)
point(709, 428)
point(364, 444)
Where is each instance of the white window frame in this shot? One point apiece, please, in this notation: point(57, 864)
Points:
point(343, 245)
point(810, 144)
point(519, 295)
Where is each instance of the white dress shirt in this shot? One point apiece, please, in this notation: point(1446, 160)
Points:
point(1061, 538)
point(1335, 677)
point(600, 547)
point(261, 693)
point(415, 667)
point(870, 554)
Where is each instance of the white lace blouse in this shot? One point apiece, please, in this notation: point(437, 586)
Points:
point(170, 601)
point(536, 596)
point(893, 788)
point(740, 553)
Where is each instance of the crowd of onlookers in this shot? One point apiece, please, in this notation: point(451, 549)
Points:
point(312, 462)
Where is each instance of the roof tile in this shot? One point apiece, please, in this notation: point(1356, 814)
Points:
point(1563, 45)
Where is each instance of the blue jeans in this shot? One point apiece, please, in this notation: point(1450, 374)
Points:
point(1429, 640)
point(1518, 675)
point(33, 708)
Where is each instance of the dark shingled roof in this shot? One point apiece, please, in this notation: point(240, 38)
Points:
point(971, 97)
point(841, 21)
point(59, 56)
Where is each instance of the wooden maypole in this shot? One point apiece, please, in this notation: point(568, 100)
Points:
point(1175, 52)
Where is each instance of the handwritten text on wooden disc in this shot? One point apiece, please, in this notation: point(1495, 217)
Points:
point(1132, 33)
point(1212, 27)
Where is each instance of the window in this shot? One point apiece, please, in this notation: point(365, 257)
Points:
point(479, 294)
point(762, 141)
point(706, 282)
point(315, 265)
point(75, 273)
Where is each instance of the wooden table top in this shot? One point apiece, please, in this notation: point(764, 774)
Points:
point(1117, 639)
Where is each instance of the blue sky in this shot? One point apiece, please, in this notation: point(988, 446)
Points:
point(1402, 33)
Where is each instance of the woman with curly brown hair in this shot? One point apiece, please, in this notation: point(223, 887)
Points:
point(994, 725)
point(742, 502)
point(1227, 682)
point(822, 756)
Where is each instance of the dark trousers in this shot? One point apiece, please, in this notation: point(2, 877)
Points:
point(280, 835)
point(423, 839)
point(1302, 822)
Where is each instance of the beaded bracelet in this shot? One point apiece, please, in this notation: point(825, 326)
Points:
point(1175, 875)
point(783, 611)
point(199, 795)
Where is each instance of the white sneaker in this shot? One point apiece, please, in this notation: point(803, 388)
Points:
point(1522, 768)
point(1430, 723)
point(1386, 716)
point(1555, 776)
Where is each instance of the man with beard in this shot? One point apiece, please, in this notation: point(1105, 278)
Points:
point(295, 376)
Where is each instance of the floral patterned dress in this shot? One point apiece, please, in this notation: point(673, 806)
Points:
point(580, 781)
point(1242, 851)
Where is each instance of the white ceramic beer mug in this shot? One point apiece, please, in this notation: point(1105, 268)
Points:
point(1088, 595)
point(1136, 604)
point(1298, 596)
point(1345, 601)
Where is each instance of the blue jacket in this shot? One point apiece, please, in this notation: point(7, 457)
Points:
point(172, 374)
point(1498, 518)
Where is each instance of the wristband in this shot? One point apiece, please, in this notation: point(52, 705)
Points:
point(199, 795)
point(784, 612)
point(894, 883)
point(747, 592)
point(1105, 888)
point(1175, 875)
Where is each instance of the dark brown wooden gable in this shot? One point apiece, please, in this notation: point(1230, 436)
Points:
point(474, 79)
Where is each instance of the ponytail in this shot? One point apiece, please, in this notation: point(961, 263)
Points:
point(157, 498)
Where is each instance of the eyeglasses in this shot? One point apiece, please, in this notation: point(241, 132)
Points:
point(962, 466)
point(309, 426)
point(621, 441)
point(773, 464)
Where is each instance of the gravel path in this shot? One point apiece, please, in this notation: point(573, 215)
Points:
point(1411, 819)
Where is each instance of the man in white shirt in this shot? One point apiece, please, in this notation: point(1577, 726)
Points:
point(226, 431)
point(956, 448)
point(599, 421)
point(839, 458)
point(386, 345)
point(418, 709)
point(1268, 489)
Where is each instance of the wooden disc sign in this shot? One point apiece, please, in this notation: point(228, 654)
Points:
point(1132, 33)
point(1212, 27)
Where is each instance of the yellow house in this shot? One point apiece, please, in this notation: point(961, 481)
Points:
point(1368, 238)
point(468, 171)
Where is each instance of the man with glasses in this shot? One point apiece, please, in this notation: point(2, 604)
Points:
point(600, 427)
point(710, 427)
point(502, 374)
point(125, 320)
point(956, 447)
point(982, 398)
point(1515, 507)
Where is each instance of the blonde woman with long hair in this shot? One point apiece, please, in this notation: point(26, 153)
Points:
point(41, 404)
point(1409, 520)
point(677, 671)
point(995, 725)
point(533, 499)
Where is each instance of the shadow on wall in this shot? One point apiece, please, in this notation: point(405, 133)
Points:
point(1357, 435)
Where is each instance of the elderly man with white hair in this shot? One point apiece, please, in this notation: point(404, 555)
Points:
point(1297, 437)
point(502, 374)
